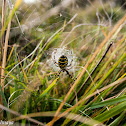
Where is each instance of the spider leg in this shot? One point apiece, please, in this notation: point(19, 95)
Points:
point(58, 73)
point(70, 75)
point(56, 64)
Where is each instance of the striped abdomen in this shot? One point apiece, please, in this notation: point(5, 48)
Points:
point(62, 62)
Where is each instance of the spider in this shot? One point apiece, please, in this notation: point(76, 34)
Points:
point(63, 65)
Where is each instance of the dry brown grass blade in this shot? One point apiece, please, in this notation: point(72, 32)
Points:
point(71, 116)
point(18, 114)
point(5, 54)
point(2, 42)
point(2, 25)
point(25, 76)
point(32, 64)
point(93, 94)
point(119, 23)
point(103, 32)
point(4, 57)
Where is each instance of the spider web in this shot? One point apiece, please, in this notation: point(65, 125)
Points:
point(45, 19)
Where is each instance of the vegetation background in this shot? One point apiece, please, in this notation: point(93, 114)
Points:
point(31, 94)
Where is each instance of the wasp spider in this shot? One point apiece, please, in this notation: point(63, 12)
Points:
point(63, 59)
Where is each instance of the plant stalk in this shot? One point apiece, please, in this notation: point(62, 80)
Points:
point(2, 43)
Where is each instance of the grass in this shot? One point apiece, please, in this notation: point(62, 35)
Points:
point(31, 94)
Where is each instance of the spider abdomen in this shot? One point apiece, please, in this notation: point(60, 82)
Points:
point(63, 62)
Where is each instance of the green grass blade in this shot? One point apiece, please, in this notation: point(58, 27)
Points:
point(48, 89)
point(112, 112)
point(118, 120)
point(108, 102)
